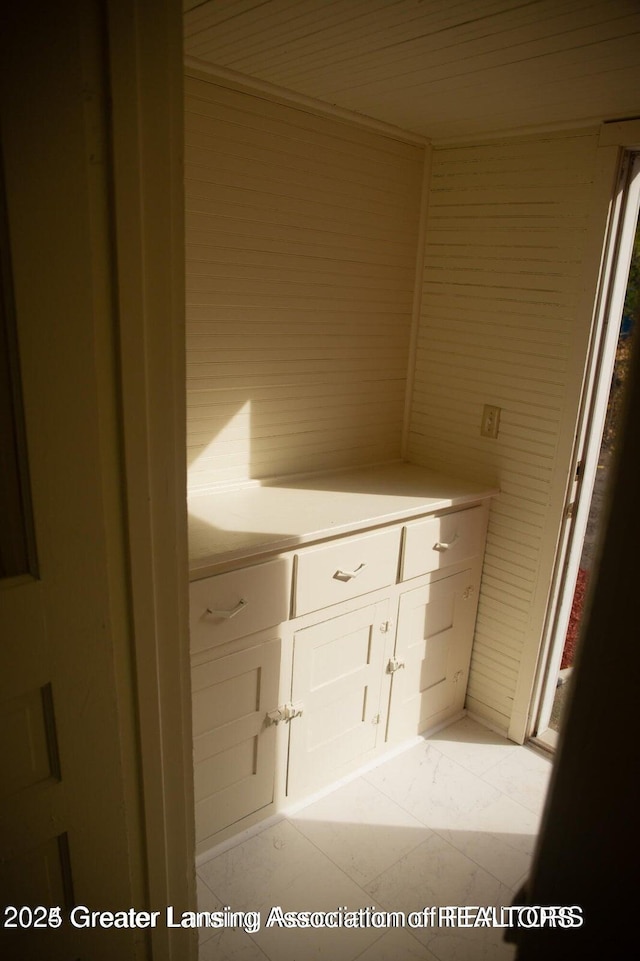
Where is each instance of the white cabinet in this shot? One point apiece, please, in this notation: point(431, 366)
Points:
point(307, 665)
point(236, 660)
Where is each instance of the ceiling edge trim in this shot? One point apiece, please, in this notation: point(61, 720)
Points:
point(621, 133)
point(208, 71)
point(588, 124)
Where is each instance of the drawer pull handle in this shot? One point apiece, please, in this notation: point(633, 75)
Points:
point(349, 575)
point(445, 545)
point(240, 606)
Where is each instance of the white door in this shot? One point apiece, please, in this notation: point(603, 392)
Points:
point(589, 432)
point(68, 831)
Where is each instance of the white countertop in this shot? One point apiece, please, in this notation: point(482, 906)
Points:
point(262, 518)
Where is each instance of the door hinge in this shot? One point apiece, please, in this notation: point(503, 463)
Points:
point(394, 665)
point(285, 713)
point(385, 627)
point(570, 509)
point(376, 719)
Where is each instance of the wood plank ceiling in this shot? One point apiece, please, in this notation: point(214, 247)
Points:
point(443, 69)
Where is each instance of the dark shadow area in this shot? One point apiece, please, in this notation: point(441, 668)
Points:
point(589, 820)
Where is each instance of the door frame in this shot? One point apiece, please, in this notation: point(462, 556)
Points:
point(624, 137)
point(92, 118)
point(145, 76)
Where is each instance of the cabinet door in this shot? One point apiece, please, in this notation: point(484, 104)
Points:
point(234, 746)
point(338, 674)
point(433, 648)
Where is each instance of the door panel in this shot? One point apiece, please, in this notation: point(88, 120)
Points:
point(234, 747)
point(69, 801)
point(35, 866)
point(337, 676)
point(434, 638)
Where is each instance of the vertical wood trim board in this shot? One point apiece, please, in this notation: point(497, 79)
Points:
point(301, 235)
point(502, 319)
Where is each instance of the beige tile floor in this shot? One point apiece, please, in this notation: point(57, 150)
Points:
point(450, 821)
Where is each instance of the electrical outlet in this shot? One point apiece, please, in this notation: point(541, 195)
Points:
point(490, 421)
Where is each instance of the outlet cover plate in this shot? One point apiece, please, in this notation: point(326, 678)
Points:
point(490, 421)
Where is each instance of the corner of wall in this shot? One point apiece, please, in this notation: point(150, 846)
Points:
point(417, 299)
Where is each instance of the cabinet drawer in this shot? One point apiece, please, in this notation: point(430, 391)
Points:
point(345, 569)
point(437, 542)
point(232, 605)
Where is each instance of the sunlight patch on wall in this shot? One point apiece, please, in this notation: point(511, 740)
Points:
point(230, 443)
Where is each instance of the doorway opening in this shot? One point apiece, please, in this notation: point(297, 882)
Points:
point(615, 329)
point(628, 333)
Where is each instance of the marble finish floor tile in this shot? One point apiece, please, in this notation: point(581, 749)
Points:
point(434, 789)
point(360, 829)
point(500, 837)
point(470, 944)
point(438, 875)
point(472, 745)
point(231, 945)
point(207, 901)
point(434, 874)
point(397, 945)
point(226, 944)
point(523, 776)
point(281, 868)
point(451, 821)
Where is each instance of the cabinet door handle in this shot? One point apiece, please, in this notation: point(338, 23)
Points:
point(445, 545)
point(349, 575)
point(287, 712)
point(240, 606)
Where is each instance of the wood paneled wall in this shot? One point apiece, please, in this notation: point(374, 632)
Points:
point(300, 269)
point(302, 233)
point(502, 321)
